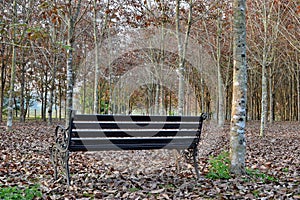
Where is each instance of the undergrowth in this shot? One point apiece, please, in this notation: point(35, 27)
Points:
point(220, 169)
point(18, 193)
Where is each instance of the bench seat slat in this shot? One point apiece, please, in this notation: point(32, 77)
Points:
point(111, 147)
point(133, 141)
point(133, 138)
point(137, 125)
point(138, 118)
point(132, 133)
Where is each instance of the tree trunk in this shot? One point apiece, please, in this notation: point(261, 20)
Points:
point(70, 83)
point(2, 78)
point(181, 66)
point(239, 94)
point(264, 104)
point(156, 105)
point(70, 43)
point(44, 117)
point(83, 96)
point(52, 89)
point(221, 117)
point(60, 99)
point(53, 75)
point(298, 88)
point(182, 53)
point(97, 75)
point(202, 95)
point(13, 74)
point(271, 96)
point(264, 83)
point(22, 99)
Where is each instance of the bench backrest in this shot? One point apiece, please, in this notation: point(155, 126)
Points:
point(132, 132)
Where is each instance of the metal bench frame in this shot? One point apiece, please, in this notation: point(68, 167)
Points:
point(126, 132)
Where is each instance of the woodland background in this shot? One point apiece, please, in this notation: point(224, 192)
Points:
point(35, 43)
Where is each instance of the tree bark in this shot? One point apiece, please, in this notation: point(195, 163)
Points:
point(264, 104)
point(53, 75)
point(44, 109)
point(96, 83)
point(264, 83)
point(239, 95)
point(70, 43)
point(2, 70)
point(2, 82)
point(298, 88)
point(182, 53)
point(52, 89)
point(13, 73)
point(271, 96)
point(22, 99)
point(221, 116)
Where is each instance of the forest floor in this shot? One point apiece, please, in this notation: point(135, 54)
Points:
point(25, 161)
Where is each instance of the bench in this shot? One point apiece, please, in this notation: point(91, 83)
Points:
point(125, 132)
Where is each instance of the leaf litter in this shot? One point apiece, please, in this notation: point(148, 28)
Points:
point(153, 174)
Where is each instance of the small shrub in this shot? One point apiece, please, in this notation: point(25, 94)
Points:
point(134, 189)
point(219, 166)
point(20, 194)
point(220, 169)
point(260, 175)
point(285, 169)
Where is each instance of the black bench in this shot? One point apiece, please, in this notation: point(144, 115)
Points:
point(126, 132)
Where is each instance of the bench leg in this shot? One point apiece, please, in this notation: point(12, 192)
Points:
point(195, 154)
point(54, 160)
point(66, 163)
point(176, 154)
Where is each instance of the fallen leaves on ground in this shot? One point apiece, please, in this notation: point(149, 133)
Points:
point(152, 174)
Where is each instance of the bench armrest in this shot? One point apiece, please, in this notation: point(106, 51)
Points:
point(62, 138)
point(204, 116)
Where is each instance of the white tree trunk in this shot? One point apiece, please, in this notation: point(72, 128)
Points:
point(182, 53)
point(264, 104)
point(70, 44)
point(52, 89)
point(264, 89)
point(96, 84)
point(221, 116)
point(13, 74)
point(239, 95)
point(181, 66)
point(271, 101)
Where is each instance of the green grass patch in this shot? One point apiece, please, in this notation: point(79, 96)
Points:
point(256, 174)
point(285, 169)
point(219, 166)
point(134, 189)
point(255, 193)
point(85, 194)
point(18, 193)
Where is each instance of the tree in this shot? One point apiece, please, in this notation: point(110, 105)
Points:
point(73, 17)
point(97, 45)
point(13, 70)
point(182, 47)
point(97, 75)
point(239, 94)
point(264, 34)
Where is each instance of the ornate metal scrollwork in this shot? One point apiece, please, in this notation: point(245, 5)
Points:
point(60, 152)
point(62, 138)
